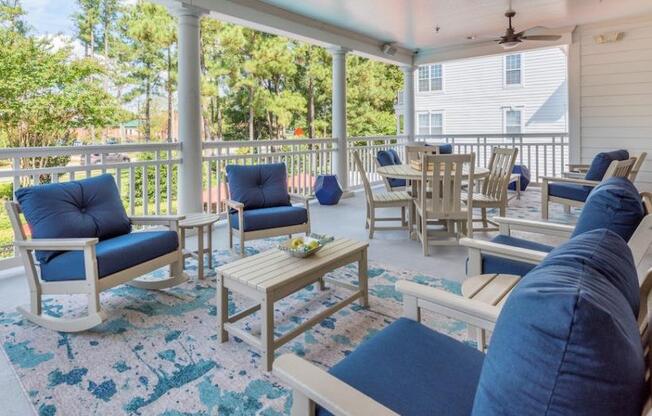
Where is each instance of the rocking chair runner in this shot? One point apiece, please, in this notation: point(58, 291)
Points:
point(82, 243)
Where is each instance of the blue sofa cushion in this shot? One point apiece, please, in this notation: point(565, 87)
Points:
point(264, 218)
point(567, 341)
point(78, 209)
point(615, 204)
point(601, 163)
point(445, 149)
point(569, 191)
point(388, 158)
point(494, 264)
point(413, 370)
point(113, 255)
point(260, 186)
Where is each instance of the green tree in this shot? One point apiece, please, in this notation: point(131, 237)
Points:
point(86, 21)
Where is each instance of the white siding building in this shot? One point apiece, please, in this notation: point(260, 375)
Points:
point(523, 92)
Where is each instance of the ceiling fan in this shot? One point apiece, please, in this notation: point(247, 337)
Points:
point(511, 39)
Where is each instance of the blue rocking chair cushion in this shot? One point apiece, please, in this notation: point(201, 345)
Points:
point(567, 340)
point(615, 204)
point(601, 163)
point(397, 159)
point(274, 217)
point(413, 370)
point(261, 186)
point(388, 158)
point(113, 255)
point(445, 149)
point(78, 209)
point(495, 264)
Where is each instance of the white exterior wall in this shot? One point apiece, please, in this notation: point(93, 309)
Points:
point(615, 90)
point(474, 95)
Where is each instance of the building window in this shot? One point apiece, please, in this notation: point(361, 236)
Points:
point(430, 78)
point(430, 123)
point(513, 122)
point(513, 69)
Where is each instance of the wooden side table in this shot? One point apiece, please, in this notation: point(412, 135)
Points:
point(492, 289)
point(204, 224)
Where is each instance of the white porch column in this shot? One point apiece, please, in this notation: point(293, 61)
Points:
point(408, 102)
point(189, 108)
point(339, 116)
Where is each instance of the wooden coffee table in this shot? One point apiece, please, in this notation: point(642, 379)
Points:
point(273, 275)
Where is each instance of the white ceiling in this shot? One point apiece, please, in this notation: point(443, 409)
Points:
point(411, 23)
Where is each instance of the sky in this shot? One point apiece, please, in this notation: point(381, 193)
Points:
point(50, 16)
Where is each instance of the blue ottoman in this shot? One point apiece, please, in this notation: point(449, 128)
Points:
point(525, 177)
point(328, 190)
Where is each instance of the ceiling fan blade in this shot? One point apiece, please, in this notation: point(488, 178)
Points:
point(541, 37)
point(536, 29)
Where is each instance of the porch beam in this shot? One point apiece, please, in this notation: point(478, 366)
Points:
point(408, 101)
point(189, 108)
point(339, 116)
point(258, 15)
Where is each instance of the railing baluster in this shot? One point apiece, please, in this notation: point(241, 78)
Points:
point(157, 184)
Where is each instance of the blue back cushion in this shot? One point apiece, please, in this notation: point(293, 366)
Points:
point(445, 149)
point(385, 158)
point(601, 163)
point(77, 209)
point(260, 186)
point(615, 204)
point(567, 341)
point(394, 153)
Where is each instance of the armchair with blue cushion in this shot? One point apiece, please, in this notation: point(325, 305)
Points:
point(573, 191)
point(82, 243)
point(388, 158)
point(614, 204)
point(260, 205)
point(566, 342)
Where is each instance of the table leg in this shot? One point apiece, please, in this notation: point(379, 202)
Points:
point(413, 211)
point(222, 309)
point(210, 246)
point(363, 279)
point(267, 332)
point(200, 252)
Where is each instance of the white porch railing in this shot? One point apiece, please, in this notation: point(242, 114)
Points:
point(545, 154)
point(367, 148)
point(305, 160)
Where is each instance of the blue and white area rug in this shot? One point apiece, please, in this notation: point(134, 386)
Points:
point(158, 353)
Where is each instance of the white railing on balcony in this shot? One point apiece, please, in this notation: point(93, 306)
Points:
point(545, 154)
point(305, 160)
point(367, 148)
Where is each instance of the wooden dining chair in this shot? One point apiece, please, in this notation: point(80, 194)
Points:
point(414, 151)
point(493, 193)
point(382, 199)
point(441, 198)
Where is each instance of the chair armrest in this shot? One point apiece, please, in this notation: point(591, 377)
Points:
point(507, 225)
point(234, 204)
point(571, 180)
point(473, 312)
point(502, 250)
point(578, 167)
point(573, 175)
point(311, 382)
point(62, 244)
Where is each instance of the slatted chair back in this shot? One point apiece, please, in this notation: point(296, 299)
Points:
point(441, 194)
point(388, 186)
point(620, 168)
point(637, 166)
point(363, 175)
point(501, 165)
point(414, 151)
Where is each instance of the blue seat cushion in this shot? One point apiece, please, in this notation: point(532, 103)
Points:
point(614, 204)
point(395, 182)
point(78, 209)
point(413, 370)
point(260, 186)
point(395, 156)
point(445, 149)
point(567, 341)
point(495, 264)
point(569, 191)
point(601, 163)
point(264, 218)
point(113, 255)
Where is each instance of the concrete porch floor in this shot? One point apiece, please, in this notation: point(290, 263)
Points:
point(390, 248)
